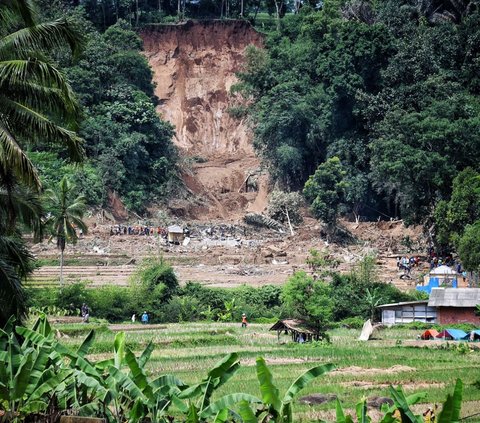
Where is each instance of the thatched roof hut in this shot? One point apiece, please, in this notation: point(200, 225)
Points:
point(300, 330)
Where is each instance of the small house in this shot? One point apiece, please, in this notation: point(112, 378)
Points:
point(455, 305)
point(407, 312)
point(175, 234)
point(445, 306)
point(299, 330)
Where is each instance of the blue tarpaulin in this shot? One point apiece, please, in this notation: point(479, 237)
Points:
point(455, 334)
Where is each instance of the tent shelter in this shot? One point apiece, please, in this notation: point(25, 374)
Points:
point(175, 234)
point(474, 335)
point(429, 334)
point(452, 334)
point(298, 329)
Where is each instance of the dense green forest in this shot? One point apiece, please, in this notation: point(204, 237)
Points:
point(376, 105)
point(128, 147)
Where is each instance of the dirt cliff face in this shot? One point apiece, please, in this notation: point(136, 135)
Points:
point(194, 66)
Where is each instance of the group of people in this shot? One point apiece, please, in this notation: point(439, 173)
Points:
point(406, 264)
point(137, 230)
point(144, 318)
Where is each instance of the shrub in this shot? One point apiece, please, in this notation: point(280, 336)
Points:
point(353, 322)
point(153, 285)
point(111, 303)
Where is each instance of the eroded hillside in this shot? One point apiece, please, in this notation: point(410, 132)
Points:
point(194, 67)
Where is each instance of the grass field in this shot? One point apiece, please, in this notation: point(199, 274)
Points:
point(363, 369)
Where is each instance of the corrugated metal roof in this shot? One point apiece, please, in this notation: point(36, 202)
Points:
point(454, 297)
point(405, 303)
point(175, 229)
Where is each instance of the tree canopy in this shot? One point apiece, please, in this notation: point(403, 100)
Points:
point(388, 87)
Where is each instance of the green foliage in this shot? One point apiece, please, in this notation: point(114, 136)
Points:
point(318, 260)
point(358, 293)
point(128, 146)
point(39, 375)
point(153, 284)
point(469, 247)
point(308, 299)
point(325, 190)
point(285, 205)
point(382, 87)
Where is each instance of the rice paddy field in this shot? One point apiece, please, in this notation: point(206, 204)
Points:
point(363, 369)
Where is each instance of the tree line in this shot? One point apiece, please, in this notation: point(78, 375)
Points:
point(372, 109)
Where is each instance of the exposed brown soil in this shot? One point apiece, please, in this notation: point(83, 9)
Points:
point(226, 256)
point(195, 65)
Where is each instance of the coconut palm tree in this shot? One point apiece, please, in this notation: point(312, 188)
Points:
point(66, 214)
point(36, 103)
point(16, 262)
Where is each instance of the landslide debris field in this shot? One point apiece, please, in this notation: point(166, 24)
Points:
point(229, 255)
point(223, 180)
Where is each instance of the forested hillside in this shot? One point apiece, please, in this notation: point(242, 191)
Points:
point(370, 108)
point(128, 147)
point(390, 88)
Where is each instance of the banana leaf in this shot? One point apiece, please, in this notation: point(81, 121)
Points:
point(452, 406)
point(147, 352)
point(227, 402)
point(402, 405)
point(137, 374)
point(21, 378)
point(305, 379)
point(221, 416)
point(119, 349)
point(246, 413)
point(269, 391)
point(86, 344)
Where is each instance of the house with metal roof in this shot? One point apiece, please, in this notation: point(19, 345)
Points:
point(457, 305)
point(444, 306)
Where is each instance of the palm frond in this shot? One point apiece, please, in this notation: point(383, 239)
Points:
point(13, 157)
point(45, 36)
point(49, 99)
point(10, 9)
point(31, 125)
point(17, 71)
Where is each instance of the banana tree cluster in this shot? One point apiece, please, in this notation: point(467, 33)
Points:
point(41, 377)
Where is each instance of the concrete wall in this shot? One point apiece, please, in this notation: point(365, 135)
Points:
point(449, 315)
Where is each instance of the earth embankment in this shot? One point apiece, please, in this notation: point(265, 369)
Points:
point(194, 66)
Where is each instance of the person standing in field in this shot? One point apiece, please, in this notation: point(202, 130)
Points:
point(144, 318)
point(85, 313)
point(244, 320)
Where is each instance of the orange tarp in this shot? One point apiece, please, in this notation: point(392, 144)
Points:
point(429, 334)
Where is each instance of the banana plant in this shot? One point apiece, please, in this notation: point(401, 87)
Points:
point(452, 406)
point(220, 410)
point(277, 409)
point(29, 375)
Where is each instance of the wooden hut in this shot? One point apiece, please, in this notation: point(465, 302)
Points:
point(299, 330)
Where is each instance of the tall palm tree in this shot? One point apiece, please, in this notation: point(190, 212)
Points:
point(66, 214)
point(36, 103)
